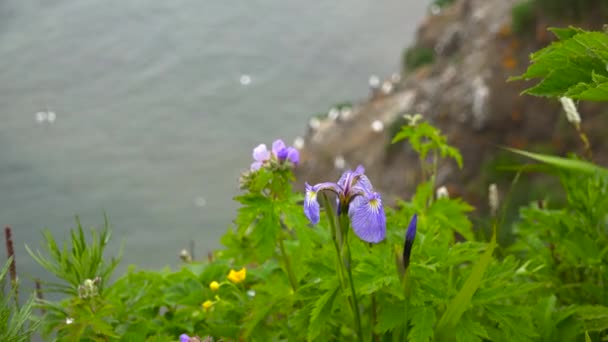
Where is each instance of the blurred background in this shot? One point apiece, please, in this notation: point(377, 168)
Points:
point(147, 111)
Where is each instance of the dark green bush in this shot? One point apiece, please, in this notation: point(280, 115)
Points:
point(416, 57)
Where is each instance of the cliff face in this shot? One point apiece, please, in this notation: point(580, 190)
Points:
point(465, 93)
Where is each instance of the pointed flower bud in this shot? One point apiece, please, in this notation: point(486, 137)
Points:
point(570, 109)
point(493, 200)
point(214, 286)
point(207, 305)
point(442, 192)
point(410, 235)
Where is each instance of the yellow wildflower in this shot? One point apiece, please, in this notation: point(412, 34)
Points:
point(207, 304)
point(214, 286)
point(237, 276)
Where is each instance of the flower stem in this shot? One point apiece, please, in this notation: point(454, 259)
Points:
point(348, 266)
point(375, 337)
point(334, 235)
point(290, 274)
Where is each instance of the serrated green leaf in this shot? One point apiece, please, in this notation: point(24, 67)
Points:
point(321, 313)
point(566, 67)
point(422, 319)
point(462, 300)
point(390, 316)
point(468, 330)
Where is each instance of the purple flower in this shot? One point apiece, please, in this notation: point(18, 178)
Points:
point(280, 152)
point(184, 338)
point(283, 152)
point(410, 235)
point(357, 197)
point(260, 155)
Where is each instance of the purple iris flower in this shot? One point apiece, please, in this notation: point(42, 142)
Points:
point(184, 338)
point(279, 151)
point(355, 196)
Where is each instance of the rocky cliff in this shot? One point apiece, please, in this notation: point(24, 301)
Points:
point(465, 93)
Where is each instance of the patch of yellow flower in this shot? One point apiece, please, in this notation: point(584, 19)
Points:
point(214, 286)
point(207, 305)
point(237, 276)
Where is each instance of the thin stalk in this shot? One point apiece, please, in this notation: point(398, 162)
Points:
point(334, 234)
point(375, 337)
point(347, 265)
point(290, 274)
point(10, 251)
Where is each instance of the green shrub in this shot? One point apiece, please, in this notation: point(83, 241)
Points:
point(415, 57)
point(523, 16)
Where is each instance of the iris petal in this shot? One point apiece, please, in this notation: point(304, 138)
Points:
point(367, 217)
point(311, 205)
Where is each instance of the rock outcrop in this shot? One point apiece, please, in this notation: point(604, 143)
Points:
point(465, 93)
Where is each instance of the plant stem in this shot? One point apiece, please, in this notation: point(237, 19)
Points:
point(375, 337)
point(347, 265)
point(290, 274)
point(334, 235)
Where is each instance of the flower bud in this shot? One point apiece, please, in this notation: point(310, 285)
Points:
point(214, 286)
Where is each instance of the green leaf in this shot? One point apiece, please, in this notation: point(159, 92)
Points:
point(563, 163)
point(462, 300)
point(423, 319)
point(594, 317)
point(575, 66)
point(321, 313)
point(469, 330)
point(390, 316)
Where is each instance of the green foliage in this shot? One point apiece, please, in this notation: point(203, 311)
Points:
point(16, 324)
point(415, 57)
point(280, 279)
point(574, 66)
point(442, 3)
point(523, 16)
point(576, 9)
point(82, 261)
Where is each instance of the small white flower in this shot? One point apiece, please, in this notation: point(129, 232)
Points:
point(69, 320)
point(185, 256)
point(346, 113)
point(442, 192)
point(298, 143)
point(314, 123)
point(493, 199)
point(339, 162)
point(251, 293)
point(387, 87)
point(377, 126)
point(570, 109)
point(374, 82)
point(333, 114)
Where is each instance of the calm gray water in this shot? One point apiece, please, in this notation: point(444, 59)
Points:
point(152, 125)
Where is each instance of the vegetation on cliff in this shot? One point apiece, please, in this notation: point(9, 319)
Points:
point(335, 264)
